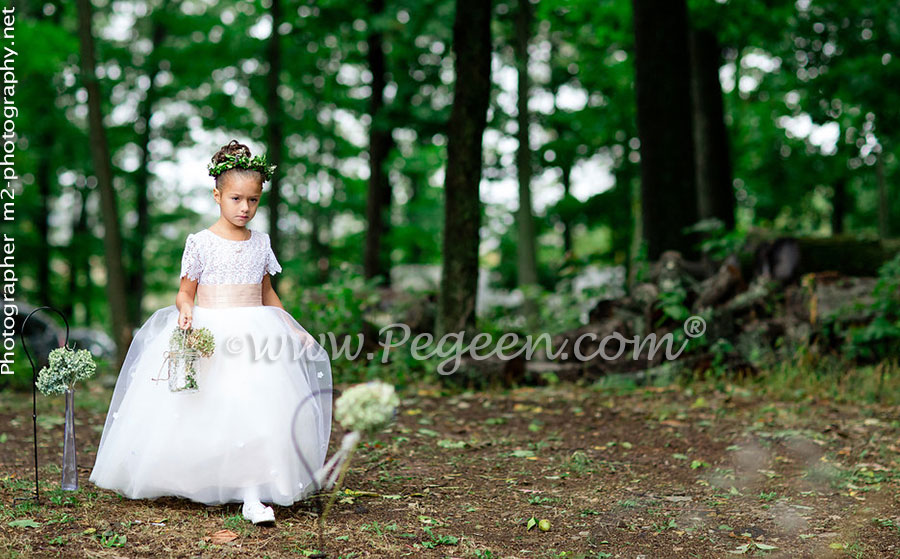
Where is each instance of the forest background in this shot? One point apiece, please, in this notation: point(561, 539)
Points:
point(608, 129)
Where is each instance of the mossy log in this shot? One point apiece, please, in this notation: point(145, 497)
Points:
point(849, 256)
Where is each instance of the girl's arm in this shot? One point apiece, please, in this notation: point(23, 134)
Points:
point(186, 292)
point(269, 297)
point(184, 301)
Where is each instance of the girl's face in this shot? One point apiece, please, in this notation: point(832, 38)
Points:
point(239, 198)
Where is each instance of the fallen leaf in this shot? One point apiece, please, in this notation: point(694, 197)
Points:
point(678, 498)
point(871, 466)
point(222, 536)
point(24, 523)
point(355, 492)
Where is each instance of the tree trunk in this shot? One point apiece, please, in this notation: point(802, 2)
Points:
point(45, 169)
point(712, 157)
point(662, 82)
point(462, 208)
point(318, 248)
point(112, 239)
point(566, 168)
point(884, 223)
point(86, 293)
point(376, 260)
point(43, 176)
point(417, 180)
point(527, 259)
point(275, 132)
point(635, 255)
point(142, 178)
point(79, 264)
point(839, 206)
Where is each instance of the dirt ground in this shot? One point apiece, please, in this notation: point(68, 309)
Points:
point(639, 473)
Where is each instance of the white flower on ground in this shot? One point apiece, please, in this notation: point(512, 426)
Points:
point(366, 407)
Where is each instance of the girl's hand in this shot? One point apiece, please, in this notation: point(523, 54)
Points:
point(185, 317)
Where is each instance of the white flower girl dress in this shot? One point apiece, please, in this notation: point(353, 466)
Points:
point(261, 419)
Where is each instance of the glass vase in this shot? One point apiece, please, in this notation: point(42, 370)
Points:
point(70, 463)
point(183, 370)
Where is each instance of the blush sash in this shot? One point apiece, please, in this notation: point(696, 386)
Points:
point(229, 295)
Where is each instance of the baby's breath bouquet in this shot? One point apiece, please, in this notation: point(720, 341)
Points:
point(66, 367)
point(186, 346)
point(199, 339)
point(366, 407)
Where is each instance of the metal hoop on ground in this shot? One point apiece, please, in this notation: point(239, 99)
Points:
point(319, 476)
point(65, 344)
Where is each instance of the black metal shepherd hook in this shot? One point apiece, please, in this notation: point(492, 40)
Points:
point(36, 495)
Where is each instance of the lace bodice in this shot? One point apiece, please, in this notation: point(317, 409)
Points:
point(216, 260)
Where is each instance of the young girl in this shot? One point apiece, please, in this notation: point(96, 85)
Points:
point(258, 426)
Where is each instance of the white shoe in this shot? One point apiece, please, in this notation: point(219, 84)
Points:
point(257, 513)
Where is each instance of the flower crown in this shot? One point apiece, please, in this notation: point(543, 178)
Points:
point(257, 163)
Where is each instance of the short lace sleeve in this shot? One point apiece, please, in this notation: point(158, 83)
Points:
point(272, 265)
point(190, 260)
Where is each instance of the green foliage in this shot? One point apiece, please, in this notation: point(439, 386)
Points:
point(339, 305)
point(672, 304)
point(256, 163)
point(880, 338)
point(337, 313)
point(436, 539)
point(22, 376)
point(802, 378)
point(718, 242)
point(112, 539)
point(559, 310)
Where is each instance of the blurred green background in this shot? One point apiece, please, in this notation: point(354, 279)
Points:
point(795, 137)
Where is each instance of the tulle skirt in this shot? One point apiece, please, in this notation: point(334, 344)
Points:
point(258, 424)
